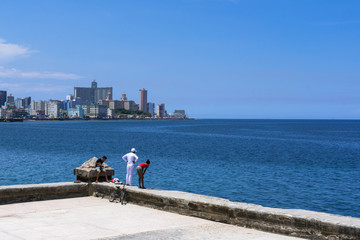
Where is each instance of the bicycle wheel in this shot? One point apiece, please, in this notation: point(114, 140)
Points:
point(122, 197)
point(112, 197)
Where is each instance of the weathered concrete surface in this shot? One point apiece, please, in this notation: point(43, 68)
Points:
point(89, 174)
point(94, 218)
point(300, 223)
point(34, 192)
point(87, 171)
point(293, 222)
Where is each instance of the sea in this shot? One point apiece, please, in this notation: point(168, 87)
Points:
point(292, 164)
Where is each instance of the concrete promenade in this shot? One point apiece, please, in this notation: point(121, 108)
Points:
point(96, 218)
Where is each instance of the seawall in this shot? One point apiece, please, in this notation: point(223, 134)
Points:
point(44, 191)
point(293, 222)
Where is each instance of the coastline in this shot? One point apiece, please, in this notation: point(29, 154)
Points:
point(95, 119)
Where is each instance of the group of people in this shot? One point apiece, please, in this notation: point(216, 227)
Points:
point(130, 158)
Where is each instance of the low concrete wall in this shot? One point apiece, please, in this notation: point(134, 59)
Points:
point(35, 192)
point(293, 222)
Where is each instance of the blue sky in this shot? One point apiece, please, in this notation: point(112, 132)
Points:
point(213, 58)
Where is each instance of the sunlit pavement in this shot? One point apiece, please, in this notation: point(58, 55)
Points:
point(96, 218)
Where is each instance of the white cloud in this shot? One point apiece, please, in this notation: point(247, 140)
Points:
point(33, 88)
point(10, 51)
point(4, 85)
point(14, 73)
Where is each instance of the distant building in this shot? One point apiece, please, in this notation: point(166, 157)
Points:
point(108, 96)
point(2, 98)
point(178, 114)
point(18, 113)
point(70, 97)
point(125, 104)
point(76, 112)
point(93, 94)
point(131, 105)
point(71, 104)
point(160, 109)
point(143, 100)
point(10, 99)
point(104, 102)
point(53, 109)
point(65, 105)
point(2, 113)
point(110, 112)
point(113, 104)
point(151, 108)
point(37, 108)
point(27, 102)
point(123, 97)
point(116, 104)
point(86, 108)
point(94, 110)
point(10, 114)
point(97, 111)
point(23, 102)
point(20, 103)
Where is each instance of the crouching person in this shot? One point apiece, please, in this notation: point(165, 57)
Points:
point(101, 168)
point(141, 169)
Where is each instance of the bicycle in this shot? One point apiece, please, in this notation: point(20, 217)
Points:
point(118, 193)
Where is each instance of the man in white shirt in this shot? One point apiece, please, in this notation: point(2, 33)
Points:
point(131, 159)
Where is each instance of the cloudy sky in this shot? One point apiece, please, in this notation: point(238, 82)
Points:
point(213, 58)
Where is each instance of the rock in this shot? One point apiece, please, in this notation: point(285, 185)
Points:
point(91, 163)
point(87, 171)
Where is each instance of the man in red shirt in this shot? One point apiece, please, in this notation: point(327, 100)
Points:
point(141, 169)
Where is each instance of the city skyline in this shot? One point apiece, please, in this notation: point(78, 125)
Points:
point(91, 102)
point(91, 94)
point(214, 58)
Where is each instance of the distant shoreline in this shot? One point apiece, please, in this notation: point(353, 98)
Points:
point(93, 119)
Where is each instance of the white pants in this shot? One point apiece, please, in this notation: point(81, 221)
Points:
point(129, 173)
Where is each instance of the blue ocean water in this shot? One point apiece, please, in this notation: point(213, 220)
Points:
point(297, 164)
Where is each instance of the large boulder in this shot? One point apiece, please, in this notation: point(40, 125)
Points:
point(91, 163)
point(87, 171)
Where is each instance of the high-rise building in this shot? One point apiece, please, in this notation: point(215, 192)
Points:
point(10, 99)
point(151, 108)
point(23, 102)
point(40, 106)
point(143, 100)
point(93, 94)
point(37, 108)
point(160, 109)
point(2, 98)
point(20, 103)
point(27, 102)
point(53, 109)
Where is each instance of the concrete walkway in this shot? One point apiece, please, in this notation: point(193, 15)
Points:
point(96, 218)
